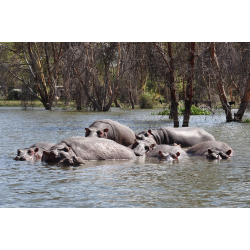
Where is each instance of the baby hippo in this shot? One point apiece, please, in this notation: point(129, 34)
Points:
point(167, 152)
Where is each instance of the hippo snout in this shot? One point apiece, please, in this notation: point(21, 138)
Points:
point(22, 158)
point(139, 153)
point(16, 158)
point(74, 161)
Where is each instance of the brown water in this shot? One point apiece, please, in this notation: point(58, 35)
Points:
point(193, 182)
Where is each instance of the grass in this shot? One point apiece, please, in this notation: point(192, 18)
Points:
point(18, 103)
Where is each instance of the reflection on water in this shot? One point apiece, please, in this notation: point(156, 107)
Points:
point(191, 182)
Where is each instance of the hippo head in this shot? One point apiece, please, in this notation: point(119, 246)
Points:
point(144, 142)
point(28, 155)
point(168, 156)
point(62, 156)
point(141, 147)
point(92, 132)
point(212, 155)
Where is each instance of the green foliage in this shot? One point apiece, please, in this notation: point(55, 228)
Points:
point(246, 121)
point(146, 101)
point(194, 111)
point(15, 94)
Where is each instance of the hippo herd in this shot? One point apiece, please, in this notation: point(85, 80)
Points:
point(109, 140)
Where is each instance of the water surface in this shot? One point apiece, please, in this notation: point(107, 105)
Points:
point(193, 182)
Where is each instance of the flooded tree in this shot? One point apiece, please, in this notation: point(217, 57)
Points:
point(170, 66)
point(189, 89)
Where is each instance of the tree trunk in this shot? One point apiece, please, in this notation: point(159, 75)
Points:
point(220, 86)
point(131, 96)
point(189, 90)
point(117, 104)
point(183, 87)
point(244, 102)
point(174, 103)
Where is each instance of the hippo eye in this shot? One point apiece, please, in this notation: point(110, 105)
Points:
point(65, 149)
point(147, 147)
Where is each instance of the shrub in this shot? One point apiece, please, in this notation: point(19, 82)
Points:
point(146, 101)
point(15, 94)
point(246, 121)
point(194, 111)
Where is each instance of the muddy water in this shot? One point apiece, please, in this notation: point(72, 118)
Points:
point(193, 182)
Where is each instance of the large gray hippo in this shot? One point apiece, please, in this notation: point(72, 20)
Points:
point(167, 152)
point(76, 150)
point(187, 137)
point(212, 150)
point(34, 152)
point(112, 130)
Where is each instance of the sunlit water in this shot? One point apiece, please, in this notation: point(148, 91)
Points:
point(192, 182)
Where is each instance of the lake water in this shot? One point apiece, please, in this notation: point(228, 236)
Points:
point(144, 183)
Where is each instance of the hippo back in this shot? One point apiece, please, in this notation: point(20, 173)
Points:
point(117, 131)
point(185, 136)
point(89, 148)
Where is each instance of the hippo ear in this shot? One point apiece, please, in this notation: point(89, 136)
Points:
point(210, 151)
point(137, 137)
point(160, 153)
point(229, 152)
point(36, 149)
point(18, 152)
point(106, 130)
point(152, 145)
point(178, 154)
point(87, 129)
point(150, 131)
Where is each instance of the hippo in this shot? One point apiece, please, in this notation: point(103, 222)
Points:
point(212, 150)
point(167, 152)
point(186, 136)
point(33, 153)
point(76, 150)
point(146, 140)
point(112, 130)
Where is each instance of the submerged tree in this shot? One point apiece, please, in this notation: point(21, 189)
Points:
point(189, 89)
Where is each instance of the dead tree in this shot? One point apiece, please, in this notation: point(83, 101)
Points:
point(170, 66)
point(219, 83)
point(244, 102)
